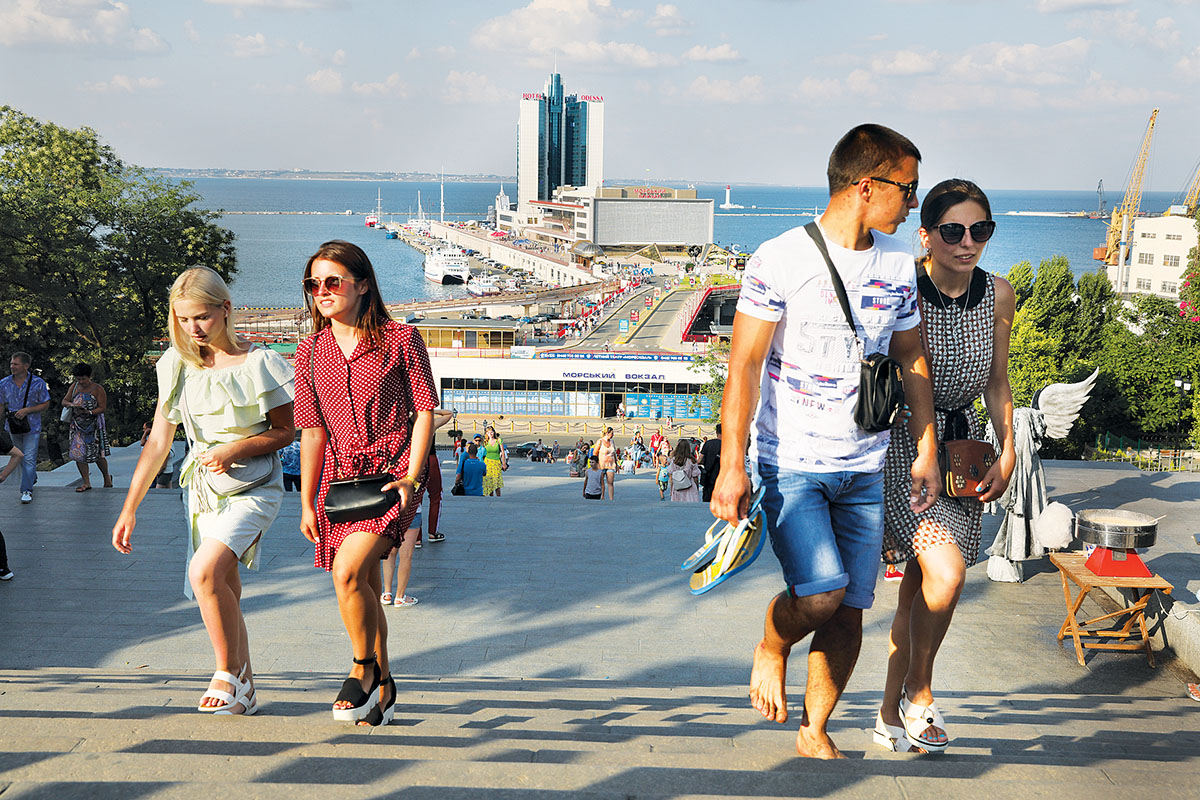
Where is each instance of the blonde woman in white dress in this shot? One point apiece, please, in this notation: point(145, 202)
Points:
point(238, 400)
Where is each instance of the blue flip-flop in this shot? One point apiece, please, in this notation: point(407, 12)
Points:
point(739, 550)
point(713, 537)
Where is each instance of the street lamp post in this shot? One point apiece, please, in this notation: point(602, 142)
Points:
point(1182, 386)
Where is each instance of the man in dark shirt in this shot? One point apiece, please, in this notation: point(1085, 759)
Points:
point(710, 465)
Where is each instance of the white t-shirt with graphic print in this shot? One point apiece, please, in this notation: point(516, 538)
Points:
point(805, 417)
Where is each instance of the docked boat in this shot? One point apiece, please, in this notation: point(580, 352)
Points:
point(447, 265)
point(482, 286)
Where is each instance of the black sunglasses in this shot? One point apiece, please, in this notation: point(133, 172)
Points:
point(332, 282)
point(909, 189)
point(952, 232)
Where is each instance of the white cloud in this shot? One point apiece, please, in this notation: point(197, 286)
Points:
point(722, 52)
point(819, 89)
point(668, 21)
point(445, 51)
point(325, 81)
point(413, 54)
point(189, 30)
point(581, 30)
point(862, 82)
point(392, 86)
point(323, 57)
point(905, 62)
point(746, 90)
point(279, 5)
point(1124, 26)
point(251, 46)
point(1054, 6)
point(123, 83)
point(1189, 65)
point(471, 88)
point(1023, 63)
point(101, 24)
point(339, 57)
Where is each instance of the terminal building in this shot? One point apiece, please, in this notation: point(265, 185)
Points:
point(623, 218)
point(1158, 256)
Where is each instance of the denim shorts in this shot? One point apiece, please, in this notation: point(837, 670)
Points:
point(826, 530)
point(417, 520)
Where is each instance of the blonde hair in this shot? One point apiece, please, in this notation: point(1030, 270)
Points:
point(202, 285)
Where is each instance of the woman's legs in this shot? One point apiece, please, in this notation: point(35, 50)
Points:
point(102, 463)
point(357, 582)
point(929, 593)
point(83, 474)
point(389, 571)
point(403, 558)
point(218, 588)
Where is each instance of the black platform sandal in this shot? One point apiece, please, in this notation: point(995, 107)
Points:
point(381, 714)
point(352, 692)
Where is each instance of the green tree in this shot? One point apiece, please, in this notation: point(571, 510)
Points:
point(1093, 311)
point(1033, 359)
point(1189, 289)
point(1021, 278)
point(88, 250)
point(713, 365)
point(1050, 306)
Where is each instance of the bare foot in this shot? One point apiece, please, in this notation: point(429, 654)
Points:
point(767, 678)
point(812, 743)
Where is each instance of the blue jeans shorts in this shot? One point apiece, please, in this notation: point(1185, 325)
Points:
point(416, 520)
point(826, 530)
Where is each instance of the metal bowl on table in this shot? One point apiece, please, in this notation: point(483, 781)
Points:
point(1115, 529)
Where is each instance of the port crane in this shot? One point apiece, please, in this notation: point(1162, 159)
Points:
point(1115, 251)
point(1192, 198)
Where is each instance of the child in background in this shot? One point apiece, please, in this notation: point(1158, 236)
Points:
point(593, 480)
point(663, 478)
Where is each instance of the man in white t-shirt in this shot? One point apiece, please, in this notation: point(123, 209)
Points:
point(794, 350)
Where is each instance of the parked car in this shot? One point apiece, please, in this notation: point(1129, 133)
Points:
point(524, 449)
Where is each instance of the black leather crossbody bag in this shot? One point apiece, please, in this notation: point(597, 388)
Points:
point(360, 497)
point(880, 378)
point(21, 425)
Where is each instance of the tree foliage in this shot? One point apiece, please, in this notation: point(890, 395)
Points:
point(89, 247)
point(1189, 289)
point(714, 366)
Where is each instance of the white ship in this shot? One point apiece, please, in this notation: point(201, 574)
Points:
point(483, 285)
point(446, 265)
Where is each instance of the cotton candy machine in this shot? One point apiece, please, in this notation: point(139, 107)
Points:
point(1116, 534)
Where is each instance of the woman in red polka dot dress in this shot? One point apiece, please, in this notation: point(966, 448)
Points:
point(372, 379)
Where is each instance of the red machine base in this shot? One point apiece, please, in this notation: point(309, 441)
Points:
point(1117, 564)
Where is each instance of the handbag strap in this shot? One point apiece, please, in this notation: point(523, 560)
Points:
point(814, 230)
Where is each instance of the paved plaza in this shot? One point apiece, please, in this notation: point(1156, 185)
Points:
point(555, 653)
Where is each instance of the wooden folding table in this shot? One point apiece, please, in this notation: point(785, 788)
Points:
point(1071, 568)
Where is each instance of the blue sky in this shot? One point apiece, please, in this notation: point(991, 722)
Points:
point(1037, 94)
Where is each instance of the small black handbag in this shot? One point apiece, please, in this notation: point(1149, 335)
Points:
point(358, 498)
point(880, 378)
point(20, 425)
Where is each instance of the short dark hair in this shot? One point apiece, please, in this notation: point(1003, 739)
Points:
point(81, 371)
point(865, 150)
point(23, 357)
point(718, 429)
point(472, 449)
point(946, 195)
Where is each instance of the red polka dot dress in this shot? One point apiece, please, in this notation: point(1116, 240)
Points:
point(368, 401)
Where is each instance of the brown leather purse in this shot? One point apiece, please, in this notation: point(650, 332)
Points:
point(963, 461)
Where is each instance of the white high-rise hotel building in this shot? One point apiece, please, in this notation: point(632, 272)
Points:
point(560, 142)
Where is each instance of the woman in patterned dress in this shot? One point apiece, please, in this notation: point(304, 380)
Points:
point(496, 460)
point(967, 316)
point(372, 380)
point(88, 442)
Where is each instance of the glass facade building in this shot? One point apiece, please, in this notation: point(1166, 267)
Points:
point(559, 142)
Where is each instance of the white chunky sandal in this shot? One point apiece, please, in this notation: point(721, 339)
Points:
point(917, 719)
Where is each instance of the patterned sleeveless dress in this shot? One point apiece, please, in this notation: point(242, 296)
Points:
point(958, 340)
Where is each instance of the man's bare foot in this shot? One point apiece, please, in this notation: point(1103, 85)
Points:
point(812, 743)
point(767, 678)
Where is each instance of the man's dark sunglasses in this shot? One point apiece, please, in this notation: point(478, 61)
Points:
point(952, 232)
point(909, 189)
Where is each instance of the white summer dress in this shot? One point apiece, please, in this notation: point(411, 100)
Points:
point(226, 405)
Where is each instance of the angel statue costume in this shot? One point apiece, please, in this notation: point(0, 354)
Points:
point(1055, 409)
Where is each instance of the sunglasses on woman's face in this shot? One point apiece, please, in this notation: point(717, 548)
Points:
point(952, 232)
point(332, 282)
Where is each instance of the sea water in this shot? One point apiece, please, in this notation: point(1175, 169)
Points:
point(272, 248)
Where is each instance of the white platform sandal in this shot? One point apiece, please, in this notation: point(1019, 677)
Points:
point(244, 690)
point(226, 698)
point(917, 719)
point(893, 737)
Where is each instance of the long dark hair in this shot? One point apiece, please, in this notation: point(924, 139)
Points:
point(372, 315)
